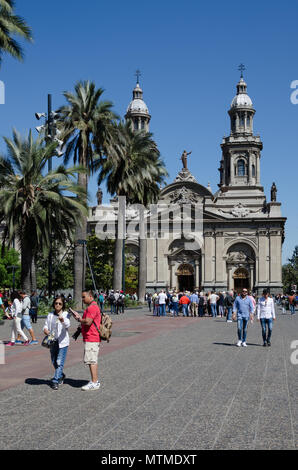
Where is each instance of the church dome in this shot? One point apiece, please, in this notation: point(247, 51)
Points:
point(241, 99)
point(137, 105)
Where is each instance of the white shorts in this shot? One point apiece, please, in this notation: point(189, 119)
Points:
point(91, 353)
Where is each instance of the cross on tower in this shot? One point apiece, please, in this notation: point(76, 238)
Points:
point(241, 68)
point(138, 74)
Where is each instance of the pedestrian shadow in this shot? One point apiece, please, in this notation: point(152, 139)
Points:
point(233, 344)
point(71, 382)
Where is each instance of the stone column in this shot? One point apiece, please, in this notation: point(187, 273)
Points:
point(251, 276)
point(258, 176)
point(197, 278)
point(232, 170)
point(172, 274)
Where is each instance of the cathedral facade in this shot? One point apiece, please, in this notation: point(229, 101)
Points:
point(199, 240)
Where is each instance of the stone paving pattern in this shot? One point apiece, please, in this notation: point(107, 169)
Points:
point(166, 384)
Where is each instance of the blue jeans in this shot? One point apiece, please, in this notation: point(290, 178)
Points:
point(162, 310)
point(176, 309)
point(185, 310)
point(58, 356)
point(242, 328)
point(292, 309)
point(213, 310)
point(229, 314)
point(269, 323)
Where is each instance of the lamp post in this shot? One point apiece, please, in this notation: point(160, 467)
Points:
point(13, 267)
point(50, 136)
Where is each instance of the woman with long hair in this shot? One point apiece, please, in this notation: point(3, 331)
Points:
point(57, 322)
point(16, 317)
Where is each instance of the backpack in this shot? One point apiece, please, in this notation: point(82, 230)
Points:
point(111, 298)
point(201, 301)
point(105, 329)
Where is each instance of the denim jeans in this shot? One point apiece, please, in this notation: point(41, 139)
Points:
point(292, 308)
point(58, 356)
point(162, 310)
point(242, 328)
point(175, 309)
point(229, 314)
point(185, 310)
point(269, 323)
point(213, 310)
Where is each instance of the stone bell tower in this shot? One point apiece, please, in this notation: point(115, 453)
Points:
point(137, 112)
point(241, 150)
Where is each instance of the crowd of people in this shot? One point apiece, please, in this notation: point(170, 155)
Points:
point(210, 304)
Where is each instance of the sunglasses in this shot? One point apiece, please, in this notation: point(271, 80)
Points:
point(58, 303)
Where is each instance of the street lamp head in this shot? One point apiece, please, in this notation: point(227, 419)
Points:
point(40, 128)
point(40, 115)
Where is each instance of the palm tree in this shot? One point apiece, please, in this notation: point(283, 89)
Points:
point(137, 174)
point(33, 204)
point(86, 125)
point(11, 25)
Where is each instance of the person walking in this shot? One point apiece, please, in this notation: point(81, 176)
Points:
point(292, 302)
point(162, 297)
point(266, 315)
point(34, 307)
point(184, 301)
point(175, 303)
point(90, 323)
point(26, 323)
point(16, 317)
point(243, 307)
point(58, 322)
point(202, 303)
point(228, 303)
point(149, 300)
point(194, 302)
point(220, 303)
point(213, 298)
point(101, 300)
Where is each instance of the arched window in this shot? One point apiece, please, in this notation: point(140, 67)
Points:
point(136, 124)
point(241, 167)
point(241, 120)
point(253, 171)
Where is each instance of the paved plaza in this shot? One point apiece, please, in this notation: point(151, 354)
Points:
point(166, 384)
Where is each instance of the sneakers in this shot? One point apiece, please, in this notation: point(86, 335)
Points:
point(244, 344)
point(229, 321)
point(239, 343)
point(264, 344)
point(61, 381)
point(91, 386)
point(268, 343)
point(10, 344)
point(26, 343)
point(19, 342)
point(54, 386)
point(33, 342)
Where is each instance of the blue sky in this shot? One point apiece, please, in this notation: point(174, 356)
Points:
point(188, 52)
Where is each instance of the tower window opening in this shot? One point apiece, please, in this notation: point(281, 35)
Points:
point(136, 125)
point(241, 120)
point(143, 124)
point(241, 167)
point(253, 171)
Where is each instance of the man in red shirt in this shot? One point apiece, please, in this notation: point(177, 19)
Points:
point(91, 338)
point(184, 301)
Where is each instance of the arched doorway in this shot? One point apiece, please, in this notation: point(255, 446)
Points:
point(185, 274)
point(241, 279)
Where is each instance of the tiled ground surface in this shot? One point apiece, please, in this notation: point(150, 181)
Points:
point(166, 383)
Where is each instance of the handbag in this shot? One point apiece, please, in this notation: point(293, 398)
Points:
point(234, 316)
point(49, 341)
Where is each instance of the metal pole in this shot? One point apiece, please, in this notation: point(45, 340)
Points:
point(49, 138)
point(49, 130)
point(123, 266)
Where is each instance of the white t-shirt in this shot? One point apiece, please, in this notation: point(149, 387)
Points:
point(213, 298)
point(53, 324)
point(162, 298)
